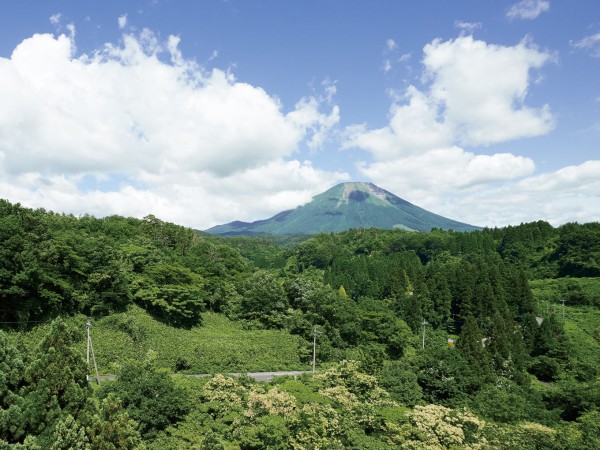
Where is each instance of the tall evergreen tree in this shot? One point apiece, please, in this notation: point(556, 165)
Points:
point(471, 346)
point(498, 346)
point(57, 381)
point(12, 370)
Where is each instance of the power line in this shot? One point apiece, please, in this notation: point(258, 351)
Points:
point(26, 321)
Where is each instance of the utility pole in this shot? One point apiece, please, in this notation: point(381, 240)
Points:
point(562, 300)
point(315, 332)
point(424, 323)
point(90, 346)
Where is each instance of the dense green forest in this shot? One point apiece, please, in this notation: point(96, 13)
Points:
point(486, 339)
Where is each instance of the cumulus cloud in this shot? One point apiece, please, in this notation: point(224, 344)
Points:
point(566, 195)
point(528, 9)
point(483, 88)
point(175, 134)
point(474, 96)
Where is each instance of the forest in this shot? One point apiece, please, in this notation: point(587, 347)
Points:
point(486, 339)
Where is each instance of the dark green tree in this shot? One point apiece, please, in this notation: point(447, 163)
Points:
point(149, 396)
point(470, 345)
point(172, 293)
point(12, 371)
point(56, 382)
point(264, 300)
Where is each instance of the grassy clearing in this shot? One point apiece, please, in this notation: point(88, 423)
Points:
point(575, 291)
point(581, 323)
point(582, 330)
point(219, 345)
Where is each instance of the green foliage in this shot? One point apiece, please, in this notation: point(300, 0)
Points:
point(219, 345)
point(171, 293)
point(400, 380)
point(589, 424)
point(112, 428)
point(437, 427)
point(523, 436)
point(148, 283)
point(12, 372)
point(264, 300)
point(69, 435)
point(149, 396)
point(317, 426)
point(446, 377)
point(578, 250)
point(470, 345)
point(56, 380)
point(504, 402)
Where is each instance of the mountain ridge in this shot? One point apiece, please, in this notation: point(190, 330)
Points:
point(344, 206)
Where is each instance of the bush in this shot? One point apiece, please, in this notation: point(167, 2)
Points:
point(545, 368)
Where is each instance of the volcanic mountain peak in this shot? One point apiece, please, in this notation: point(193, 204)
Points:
point(345, 206)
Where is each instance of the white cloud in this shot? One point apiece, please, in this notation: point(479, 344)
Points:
point(474, 96)
point(391, 45)
point(566, 195)
point(122, 21)
point(55, 18)
point(467, 27)
point(413, 128)
point(179, 136)
point(329, 88)
point(483, 88)
point(528, 9)
point(591, 43)
point(446, 170)
point(387, 65)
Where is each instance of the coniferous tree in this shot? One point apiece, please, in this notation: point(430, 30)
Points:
point(56, 381)
point(12, 370)
point(548, 337)
point(498, 345)
point(471, 346)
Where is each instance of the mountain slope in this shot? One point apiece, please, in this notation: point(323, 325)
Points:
point(345, 206)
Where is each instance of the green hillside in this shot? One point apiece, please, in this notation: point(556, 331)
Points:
point(219, 345)
point(399, 318)
point(346, 206)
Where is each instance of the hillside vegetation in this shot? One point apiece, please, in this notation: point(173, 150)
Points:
point(219, 345)
point(165, 299)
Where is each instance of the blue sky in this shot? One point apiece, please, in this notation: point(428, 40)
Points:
point(204, 112)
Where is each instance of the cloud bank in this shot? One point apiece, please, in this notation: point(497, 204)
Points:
point(136, 128)
point(433, 151)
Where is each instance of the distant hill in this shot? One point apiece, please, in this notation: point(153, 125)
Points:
point(345, 206)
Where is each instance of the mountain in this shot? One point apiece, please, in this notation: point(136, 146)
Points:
point(345, 206)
